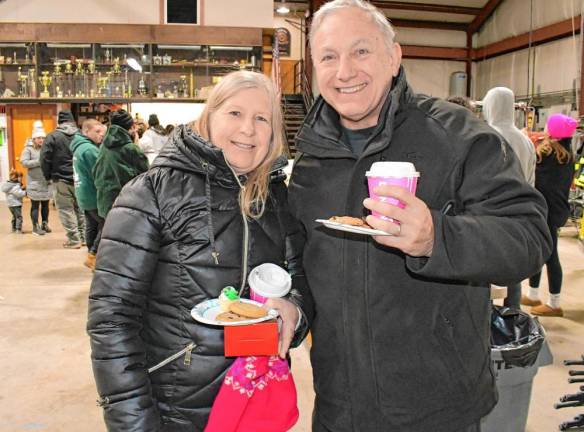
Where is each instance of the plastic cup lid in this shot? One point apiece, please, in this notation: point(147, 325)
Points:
point(270, 280)
point(392, 169)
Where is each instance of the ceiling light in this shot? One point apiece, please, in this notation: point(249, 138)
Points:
point(133, 63)
point(283, 10)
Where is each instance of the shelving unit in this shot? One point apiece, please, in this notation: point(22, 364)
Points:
point(117, 72)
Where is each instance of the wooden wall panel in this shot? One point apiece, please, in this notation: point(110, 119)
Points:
point(131, 33)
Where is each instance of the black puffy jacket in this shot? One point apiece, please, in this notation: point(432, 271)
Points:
point(174, 238)
point(56, 157)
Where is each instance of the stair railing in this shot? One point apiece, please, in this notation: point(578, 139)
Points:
point(301, 84)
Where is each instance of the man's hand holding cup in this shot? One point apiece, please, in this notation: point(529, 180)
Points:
point(396, 209)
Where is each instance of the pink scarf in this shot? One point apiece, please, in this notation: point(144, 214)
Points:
point(257, 395)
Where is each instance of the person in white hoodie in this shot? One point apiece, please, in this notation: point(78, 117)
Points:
point(153, 139)
point(499, 113)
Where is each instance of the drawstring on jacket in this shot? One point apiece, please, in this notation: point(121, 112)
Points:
point(214, 252)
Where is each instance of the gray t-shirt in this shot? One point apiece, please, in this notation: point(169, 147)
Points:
point(356, 139)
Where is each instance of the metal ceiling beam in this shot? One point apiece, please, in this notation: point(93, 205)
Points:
point(539, 36)
point(486, 11)
point(434, 53)
point(427, 7)
point(440, 25)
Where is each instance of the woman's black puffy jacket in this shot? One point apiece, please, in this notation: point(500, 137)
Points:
point(174, 238)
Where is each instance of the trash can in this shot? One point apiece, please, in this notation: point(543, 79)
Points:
point(518, 349)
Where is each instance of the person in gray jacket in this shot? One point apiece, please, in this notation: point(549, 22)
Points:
point(400, 323)
point(37, 185)
point(14, 193)
point(499, 113)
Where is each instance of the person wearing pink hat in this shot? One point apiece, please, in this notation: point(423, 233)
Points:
point(553, 178)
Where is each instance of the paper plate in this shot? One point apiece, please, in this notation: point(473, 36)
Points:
point(207, 311)
point(351, 228)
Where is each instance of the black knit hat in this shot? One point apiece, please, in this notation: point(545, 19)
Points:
point(121, 118)
point(153, 120)
point(65, 116)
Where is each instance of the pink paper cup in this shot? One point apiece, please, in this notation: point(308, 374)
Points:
point(402, 174)
point(268, 281)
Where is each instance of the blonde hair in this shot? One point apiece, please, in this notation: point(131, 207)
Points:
point(377, 17)
point(549, 145)
point(89, 124)
point(254, 194)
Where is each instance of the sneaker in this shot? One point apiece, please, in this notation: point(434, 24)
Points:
point(45, 227)
point(547, 310)
point(527, 301)
point(90, 261)
point(72, 245)
point(19, 231)
point(37, 230)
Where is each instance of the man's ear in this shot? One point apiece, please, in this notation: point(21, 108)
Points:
point(396, 56)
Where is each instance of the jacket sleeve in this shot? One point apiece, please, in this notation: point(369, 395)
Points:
point(125, 266)
point(18, 191)
point(46, 158)
point(27, 161)
point(497, 232)
point(141, 161)
point(294, 243)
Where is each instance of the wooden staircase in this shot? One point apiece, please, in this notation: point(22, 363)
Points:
point(294, 112)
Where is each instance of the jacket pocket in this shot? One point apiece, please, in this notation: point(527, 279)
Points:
point(424, 371)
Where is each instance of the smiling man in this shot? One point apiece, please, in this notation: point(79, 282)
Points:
point(400, 323)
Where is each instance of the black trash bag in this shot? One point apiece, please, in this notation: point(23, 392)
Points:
point(517, 335)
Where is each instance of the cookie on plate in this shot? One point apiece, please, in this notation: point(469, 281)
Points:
point(247, 310)
point(230, 317)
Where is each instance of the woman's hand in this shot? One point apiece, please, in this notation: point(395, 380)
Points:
point(288, 312)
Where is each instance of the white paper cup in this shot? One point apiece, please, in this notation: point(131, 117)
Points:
point(268, 281)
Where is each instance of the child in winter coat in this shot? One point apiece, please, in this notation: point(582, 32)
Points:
point(14, 193)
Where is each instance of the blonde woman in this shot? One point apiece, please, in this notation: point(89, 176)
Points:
point(212, 206)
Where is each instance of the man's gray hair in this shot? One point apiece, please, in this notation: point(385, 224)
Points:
point(377, 17)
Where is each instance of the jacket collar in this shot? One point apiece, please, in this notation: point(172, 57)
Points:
point(116, 137)
point(321, 131)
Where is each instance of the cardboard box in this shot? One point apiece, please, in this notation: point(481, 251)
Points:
point(255, 339)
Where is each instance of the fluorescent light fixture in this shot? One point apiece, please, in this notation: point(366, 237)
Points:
point(180, 47)
point(64, 45)
point(133, 63)
point(12, 45)
point(141, 46)
point(230, 48)
point(283, 10)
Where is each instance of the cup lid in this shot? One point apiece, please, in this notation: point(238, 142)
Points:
point(270, 280)
point(392, 169)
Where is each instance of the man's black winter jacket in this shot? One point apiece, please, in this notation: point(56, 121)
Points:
point(401, 344)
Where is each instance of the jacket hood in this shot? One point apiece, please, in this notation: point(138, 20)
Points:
point(321, 131)
point(68, 128)
point(188, 151)
point(499, 106)
point(116, 137)
point(79, 140)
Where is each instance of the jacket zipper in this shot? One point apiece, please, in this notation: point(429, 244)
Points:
point(245, 233)
point(186, 351)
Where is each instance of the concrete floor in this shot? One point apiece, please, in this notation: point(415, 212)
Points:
point(45, 372)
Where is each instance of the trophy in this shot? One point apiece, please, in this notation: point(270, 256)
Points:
point(91, 80)
point(80, 84)
point(22, 84)
point(58, 80)
point(183, 87)
point(46, 82)
point(69, 80)
point(142, 89)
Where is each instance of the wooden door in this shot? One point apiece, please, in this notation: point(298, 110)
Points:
point(21, 120)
